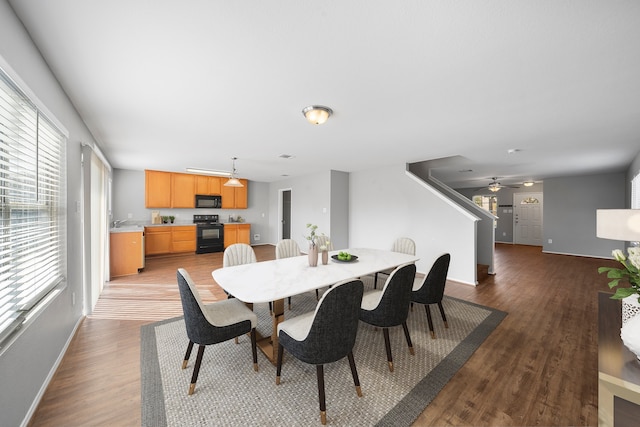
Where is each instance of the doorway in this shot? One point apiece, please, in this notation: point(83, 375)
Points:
point(527, 219)
point(285, 218)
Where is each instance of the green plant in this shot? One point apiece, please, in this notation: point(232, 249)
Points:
point(311, 237)
point(630, 273)
point(165, 219)
point(172, 218)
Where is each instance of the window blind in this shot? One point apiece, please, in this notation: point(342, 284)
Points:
point(32, 200)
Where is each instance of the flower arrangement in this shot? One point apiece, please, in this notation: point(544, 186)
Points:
point(325, 246)
point(311, 237)
point(630, 273)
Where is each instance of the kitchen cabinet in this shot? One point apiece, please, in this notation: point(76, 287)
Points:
point(170, 239)
point(178, 190)
point(158, 240)
point(183, 190)
point(208, 185)
point(235, 197)
point(126, 253)
point(183, 238)
point(157, 189)
point(237, 233)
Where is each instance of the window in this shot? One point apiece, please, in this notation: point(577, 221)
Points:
point(635, 192)
point(32, 202)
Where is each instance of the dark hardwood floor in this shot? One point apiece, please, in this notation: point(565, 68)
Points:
point(539, 367)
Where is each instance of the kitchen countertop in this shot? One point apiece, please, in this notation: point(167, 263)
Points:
point(133, 228)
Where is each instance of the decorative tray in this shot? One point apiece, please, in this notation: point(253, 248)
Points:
point(353, 258)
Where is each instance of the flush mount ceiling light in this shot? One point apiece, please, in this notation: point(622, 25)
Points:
point(233, 180)
point(317, 114)
point(528, 183)
point(208, 172)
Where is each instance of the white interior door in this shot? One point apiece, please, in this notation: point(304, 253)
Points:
point(527, 219)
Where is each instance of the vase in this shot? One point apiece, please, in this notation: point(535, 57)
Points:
point(313, 255)
point(630, 307)
point(630, 335)
point(325, 257)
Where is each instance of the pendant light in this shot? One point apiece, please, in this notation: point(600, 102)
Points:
point(233, 181)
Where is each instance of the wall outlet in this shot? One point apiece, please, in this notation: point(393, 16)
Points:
point(504, 233)
point(550, 241)
point(129, 215)
point(256, 237)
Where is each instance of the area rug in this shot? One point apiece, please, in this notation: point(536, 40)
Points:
point(230, 393)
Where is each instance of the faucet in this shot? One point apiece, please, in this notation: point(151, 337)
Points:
point(117, 222)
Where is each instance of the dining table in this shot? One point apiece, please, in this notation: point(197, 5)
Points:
point(274, 280)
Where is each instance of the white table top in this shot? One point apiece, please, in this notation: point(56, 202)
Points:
point(272, 280)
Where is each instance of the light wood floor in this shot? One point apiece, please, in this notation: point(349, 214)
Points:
point(539, 367)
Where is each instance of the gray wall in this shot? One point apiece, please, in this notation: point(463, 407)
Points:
point(570, 205)
point(129, 195)
point(504, 224)
point(28, 362)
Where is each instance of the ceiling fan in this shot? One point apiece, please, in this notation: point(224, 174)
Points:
point(495, 186)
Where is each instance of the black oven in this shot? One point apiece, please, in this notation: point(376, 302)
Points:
point(209, 234)
point(208, 202)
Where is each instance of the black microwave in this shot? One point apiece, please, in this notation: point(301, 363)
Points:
point(208, 202)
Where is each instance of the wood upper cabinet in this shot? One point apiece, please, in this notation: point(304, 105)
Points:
point(125, 254)
point(208, 185)
point(157, 189)
point(183, 190)
point(235, 197)
point(178, 190)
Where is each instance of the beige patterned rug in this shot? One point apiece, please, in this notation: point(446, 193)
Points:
point(229, 392)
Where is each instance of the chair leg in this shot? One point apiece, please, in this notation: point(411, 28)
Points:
point(279, 363)
point(321, 398)
point(317, 295)
point(289, 303)
point(375, 281)
point(196, 369)
point(387, 345)
point(270, 307)
point(433, 334)
point(254, 350)
point(444, 318)
point(354, 373)
point(406, 335)
point(185, 362)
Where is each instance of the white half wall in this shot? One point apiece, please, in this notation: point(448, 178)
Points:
point(386, 204)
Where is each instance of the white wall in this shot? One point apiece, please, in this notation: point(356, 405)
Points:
point(27, 363)
point(385, 204)
point(310, 203)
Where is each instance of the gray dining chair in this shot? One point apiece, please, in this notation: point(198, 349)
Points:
point(403, 245)
point(431, 291)
point(325, 335)
point(389, 306)
point(213, 323)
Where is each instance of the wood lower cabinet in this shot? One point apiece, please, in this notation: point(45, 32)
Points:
point(170, 239)
point(237, 233)
point(126, 254)
point(183, 238)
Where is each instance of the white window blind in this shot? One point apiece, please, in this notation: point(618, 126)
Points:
point(32, 200)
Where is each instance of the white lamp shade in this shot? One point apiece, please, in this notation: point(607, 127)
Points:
point(233, 182)
point(618, 224)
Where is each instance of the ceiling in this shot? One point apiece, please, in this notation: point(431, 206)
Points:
point(174, 84)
